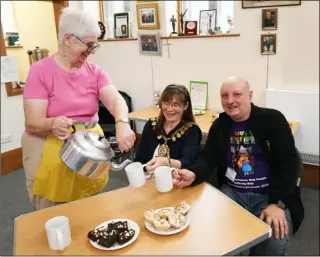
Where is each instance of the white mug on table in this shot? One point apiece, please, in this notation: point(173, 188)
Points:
point(58, 233)
point(164, 179)
point(135, 174)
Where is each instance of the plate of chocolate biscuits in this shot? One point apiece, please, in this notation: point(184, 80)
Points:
point(114, 234)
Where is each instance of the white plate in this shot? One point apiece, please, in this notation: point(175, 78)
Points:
point(131, 225)
point(169, 231)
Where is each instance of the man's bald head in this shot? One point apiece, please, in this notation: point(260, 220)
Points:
point(236, 97)
point(240, 83)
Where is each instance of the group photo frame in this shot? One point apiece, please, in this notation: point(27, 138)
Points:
point(148, 16)
point(268, 3)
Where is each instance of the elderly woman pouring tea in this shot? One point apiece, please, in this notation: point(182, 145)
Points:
point(63, 90)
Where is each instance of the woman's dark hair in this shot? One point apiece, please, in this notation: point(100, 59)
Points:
point(167, 95)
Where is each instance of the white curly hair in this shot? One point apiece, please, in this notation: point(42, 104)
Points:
point(78, 21)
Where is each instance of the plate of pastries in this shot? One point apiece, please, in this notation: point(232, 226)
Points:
point(168, 220)
point(114, 234)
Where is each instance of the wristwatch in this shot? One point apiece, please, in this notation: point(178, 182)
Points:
point(123, 120)
point(281, 205)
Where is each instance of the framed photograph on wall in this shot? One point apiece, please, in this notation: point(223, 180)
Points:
point(269, 19)
point(199, 95)
point(149, 43)
point(148, 16)
point(207, 21)
point(269, 44)
point(121, 25)
point(272, 3)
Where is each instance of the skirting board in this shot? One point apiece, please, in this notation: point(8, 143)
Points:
point(11, 161)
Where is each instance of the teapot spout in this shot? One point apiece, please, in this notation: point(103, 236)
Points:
point(120, 166)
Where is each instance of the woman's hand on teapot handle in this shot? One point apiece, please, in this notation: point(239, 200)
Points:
point(60, 126)
point(125, 136)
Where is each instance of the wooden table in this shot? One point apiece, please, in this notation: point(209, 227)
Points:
point(204, 121)
point(219, 227)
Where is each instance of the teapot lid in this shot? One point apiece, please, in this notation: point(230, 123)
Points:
point(97, 140)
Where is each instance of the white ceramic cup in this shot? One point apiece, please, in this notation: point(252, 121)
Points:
point(58, 233)
point(163, 178)
point(135, 174)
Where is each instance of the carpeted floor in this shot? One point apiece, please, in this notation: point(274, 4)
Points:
point(14, 202)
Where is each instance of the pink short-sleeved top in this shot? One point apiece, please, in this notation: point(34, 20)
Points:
point(71, 94)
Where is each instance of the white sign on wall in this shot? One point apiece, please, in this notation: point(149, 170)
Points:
point(9, 71)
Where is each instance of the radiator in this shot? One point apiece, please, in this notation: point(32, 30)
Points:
point(310, 158)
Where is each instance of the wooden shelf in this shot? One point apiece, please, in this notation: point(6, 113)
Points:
point(117, 39)
point(178, 37)
point(13, 91)
point(202, 36)
point(14, 46)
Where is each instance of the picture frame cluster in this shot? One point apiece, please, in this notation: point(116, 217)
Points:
point(148, 22)
point(269, 21)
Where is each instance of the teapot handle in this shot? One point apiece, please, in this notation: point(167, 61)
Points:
point(74, 130)
point(117, 157)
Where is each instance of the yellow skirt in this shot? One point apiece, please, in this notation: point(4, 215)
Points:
point(58, 183)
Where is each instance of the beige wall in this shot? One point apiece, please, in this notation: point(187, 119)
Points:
point(36, 27)
point(296, 65)
point(35, 23)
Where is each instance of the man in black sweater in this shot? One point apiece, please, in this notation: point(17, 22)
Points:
point(250, 156)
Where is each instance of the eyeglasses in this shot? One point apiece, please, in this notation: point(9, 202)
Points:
point(92, 47)
point(174, 106)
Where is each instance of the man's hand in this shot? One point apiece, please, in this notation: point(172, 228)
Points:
point(155, 163)
point(183, 178)
point(60, 126)
point(275, 216)
point(125, 136)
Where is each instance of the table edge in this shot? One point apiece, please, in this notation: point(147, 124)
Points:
point(249, 244)
point(254, 241)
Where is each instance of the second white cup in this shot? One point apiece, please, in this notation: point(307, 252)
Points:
point(58, 233)
point(163, 178)
point(135, 174)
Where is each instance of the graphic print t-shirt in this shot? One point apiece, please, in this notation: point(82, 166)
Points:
point(252, 168)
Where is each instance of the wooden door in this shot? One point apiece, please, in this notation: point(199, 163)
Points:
point(57, 7)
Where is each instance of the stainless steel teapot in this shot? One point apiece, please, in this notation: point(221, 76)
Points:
point(89, 154)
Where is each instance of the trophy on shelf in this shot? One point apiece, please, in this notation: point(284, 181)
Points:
point(210, 30)
point(173, 21)
point(123, 31)
point(181, 21)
